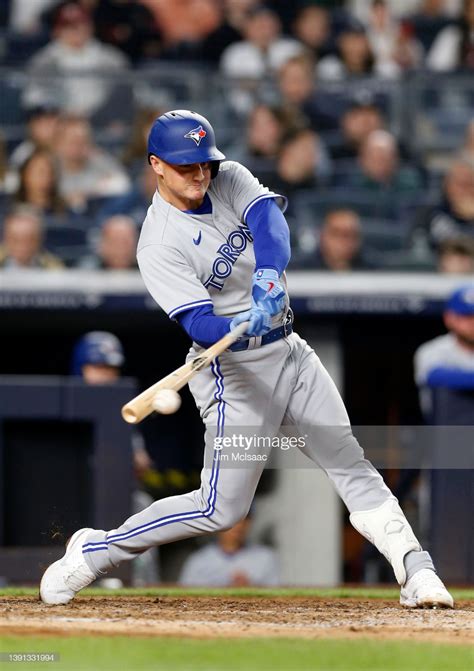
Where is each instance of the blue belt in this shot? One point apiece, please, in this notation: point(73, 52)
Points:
point(260, 341)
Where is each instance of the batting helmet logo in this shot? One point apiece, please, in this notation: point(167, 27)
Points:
point(196, 134)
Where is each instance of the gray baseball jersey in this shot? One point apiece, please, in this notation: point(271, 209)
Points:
point(190, 260)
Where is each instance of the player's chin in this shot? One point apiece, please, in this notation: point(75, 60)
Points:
point(197, 191)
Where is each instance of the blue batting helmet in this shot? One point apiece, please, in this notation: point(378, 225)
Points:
point(97, 347)
point(181, 137)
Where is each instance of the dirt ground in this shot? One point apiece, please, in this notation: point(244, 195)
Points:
point(212, 617)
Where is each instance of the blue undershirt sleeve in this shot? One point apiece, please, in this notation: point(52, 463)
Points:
point(453, 378)
point(203, 326)
point(271, 235)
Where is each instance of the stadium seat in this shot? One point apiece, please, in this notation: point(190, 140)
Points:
point(70, 243)
point(312, 206)
point(11, 111)
point(20, 48)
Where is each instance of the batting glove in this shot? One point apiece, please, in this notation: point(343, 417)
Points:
point(259, 322)
point(268, 292)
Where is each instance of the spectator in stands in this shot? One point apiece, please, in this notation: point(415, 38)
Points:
point(392, 42)
point(42, 125)
point(354, 56)
point(448, 360)
point(312, 27)
point(263, 49)
point(116, 246)
point(232, 561)
point(134, 203)
point(129, 26)
point(399, 8)
point(340, 243)
point(453, 216)
point(229, 31)
point(454, 46)
point(265, 131)
point(25, 15)
point(86, 171)
point(136, 148)
point(39, 184)
point(428, 21)
point(267, 126)
point(360, 119)
point(98, 358)
point(456, 256)
point(22, 243)
point(297, 90)
point(379, 167)
point(302, 162)
point(73, 49)
point(184, 21)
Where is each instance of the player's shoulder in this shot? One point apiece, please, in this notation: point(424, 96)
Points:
point(438, 344)
point(435, 350)
point(232, 177)
point(156, 229)
point(231, 169)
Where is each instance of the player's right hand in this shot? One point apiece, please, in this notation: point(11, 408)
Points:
point(259, 322)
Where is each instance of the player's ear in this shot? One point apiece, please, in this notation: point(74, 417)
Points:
point(156, 164)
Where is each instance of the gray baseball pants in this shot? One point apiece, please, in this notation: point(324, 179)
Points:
point(253, 392)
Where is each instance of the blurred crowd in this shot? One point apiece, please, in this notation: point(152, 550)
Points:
point(315, 97)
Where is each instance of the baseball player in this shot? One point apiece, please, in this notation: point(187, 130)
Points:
point(212, 252)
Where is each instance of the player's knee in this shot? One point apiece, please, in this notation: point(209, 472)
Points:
point(226, 516)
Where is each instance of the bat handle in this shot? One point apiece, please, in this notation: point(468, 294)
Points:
point(238, 331)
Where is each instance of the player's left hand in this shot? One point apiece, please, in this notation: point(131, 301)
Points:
point(268, 292)
point(259, 322)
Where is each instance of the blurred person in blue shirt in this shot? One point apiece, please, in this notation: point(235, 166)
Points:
point(448, 360)
point(232, 561)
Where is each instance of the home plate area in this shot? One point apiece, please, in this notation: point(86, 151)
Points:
point(237, 617)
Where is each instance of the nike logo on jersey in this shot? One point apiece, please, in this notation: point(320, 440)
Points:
point(196, 134)
point(198, 239)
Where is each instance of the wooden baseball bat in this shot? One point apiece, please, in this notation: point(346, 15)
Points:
point(140, 406)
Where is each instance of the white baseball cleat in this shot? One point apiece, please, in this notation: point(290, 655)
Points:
point(65, 577)
point(425, 590)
